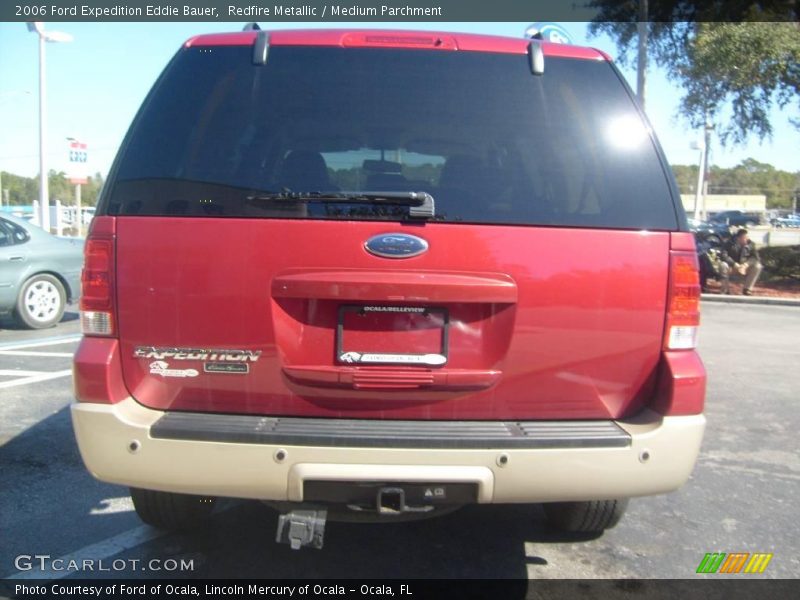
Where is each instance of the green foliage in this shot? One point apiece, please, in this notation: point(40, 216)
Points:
point(748, 66)
point(753, 177)
point(686, 177)
point(734, 60)
point(748, 177)
point(24, 190)
point(781, 262)
point(21, 190)
point(60, 188)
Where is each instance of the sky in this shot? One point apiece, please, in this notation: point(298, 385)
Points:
point(96, 83)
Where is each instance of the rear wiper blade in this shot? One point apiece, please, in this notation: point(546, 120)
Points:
point(420, 204)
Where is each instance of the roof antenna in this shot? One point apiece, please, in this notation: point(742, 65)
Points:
point(251, 27)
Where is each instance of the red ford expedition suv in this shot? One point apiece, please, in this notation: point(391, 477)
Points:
point(389, 273)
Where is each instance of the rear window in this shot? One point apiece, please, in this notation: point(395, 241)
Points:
point(491, 142)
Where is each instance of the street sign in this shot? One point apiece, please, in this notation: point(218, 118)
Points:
point(78, 172)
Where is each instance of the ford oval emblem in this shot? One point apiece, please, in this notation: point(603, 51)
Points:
point(396, 245)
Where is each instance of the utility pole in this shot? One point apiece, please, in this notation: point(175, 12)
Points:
point(641, 64)
point(707, 143)
point(698, 192)
point(701, 191)
point(78, 215)
point(44, 195)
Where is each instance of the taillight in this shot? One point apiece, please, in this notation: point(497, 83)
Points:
point(683, 301)
point(97, 279)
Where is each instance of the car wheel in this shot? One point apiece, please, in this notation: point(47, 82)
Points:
point(41, 302)
point(174, 512)
point(585, 517)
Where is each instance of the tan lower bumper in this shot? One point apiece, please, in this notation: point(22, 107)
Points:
point(116, 446)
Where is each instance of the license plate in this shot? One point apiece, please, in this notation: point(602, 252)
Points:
point(392, 335)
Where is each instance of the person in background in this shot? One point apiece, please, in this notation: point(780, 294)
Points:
point(739, 258)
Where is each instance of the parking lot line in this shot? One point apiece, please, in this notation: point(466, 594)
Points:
point(35, 378)
point(35, 353)
point(21, 373)
point(51, 341)
point(108, 547)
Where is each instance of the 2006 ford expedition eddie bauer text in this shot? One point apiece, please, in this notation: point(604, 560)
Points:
point(388, 273)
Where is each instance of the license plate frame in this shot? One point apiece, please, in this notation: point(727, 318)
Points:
point(367, 358)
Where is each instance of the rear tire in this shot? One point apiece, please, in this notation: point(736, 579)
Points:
point(585, 517)
point(170, 511)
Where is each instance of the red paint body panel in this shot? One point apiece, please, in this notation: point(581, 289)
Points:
point(429, 40)
point(681, 384)
point(682, 240)
point(97, 371)
point(579, 337)
point(399, 285)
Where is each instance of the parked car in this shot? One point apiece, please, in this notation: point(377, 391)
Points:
point(736, 218)
point(788, 221)
point(39, 273)
point(363, 272)
point(702, 229)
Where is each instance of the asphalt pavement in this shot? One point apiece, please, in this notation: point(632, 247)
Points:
point(742, 496)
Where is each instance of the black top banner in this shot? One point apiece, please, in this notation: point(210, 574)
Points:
point(333, 11)
point(294, 10)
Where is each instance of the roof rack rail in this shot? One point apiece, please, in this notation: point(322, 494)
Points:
point(251, 27)
point(261, 48)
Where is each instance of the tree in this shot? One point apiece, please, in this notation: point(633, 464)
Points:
point(738, 56)
point(60, 188)
point(21, 190)
point(24, 190)
point(747, 66)
point(685, 177)
point(748, 177)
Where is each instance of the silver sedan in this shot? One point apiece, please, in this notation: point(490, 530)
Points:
point(39, 273)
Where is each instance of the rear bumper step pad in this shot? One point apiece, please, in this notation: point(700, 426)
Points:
point(356, 433)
